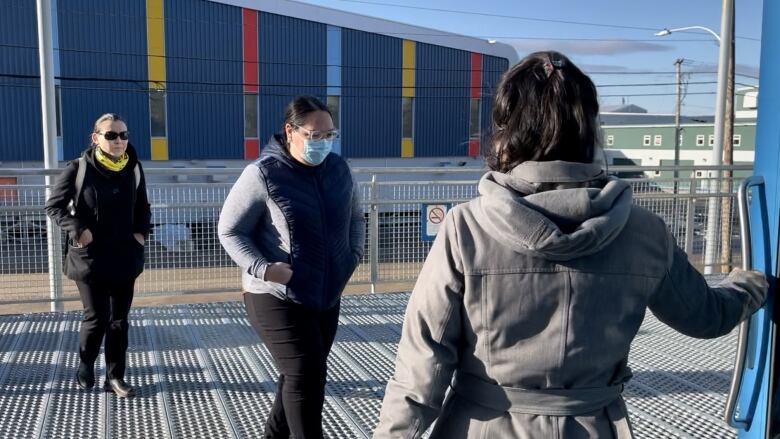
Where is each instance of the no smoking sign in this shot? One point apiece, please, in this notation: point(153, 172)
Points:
point(431, 217)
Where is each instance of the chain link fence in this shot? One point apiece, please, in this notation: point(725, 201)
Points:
point(183, 253)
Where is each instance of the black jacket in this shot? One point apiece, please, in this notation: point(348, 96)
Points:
point(113, 209)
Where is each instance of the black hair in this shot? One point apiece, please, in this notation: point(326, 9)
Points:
point(545, 109)
point(298, 109)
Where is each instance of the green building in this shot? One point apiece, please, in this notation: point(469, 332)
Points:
point(634, 137)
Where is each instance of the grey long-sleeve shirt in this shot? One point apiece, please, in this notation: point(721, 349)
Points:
point(254, 232)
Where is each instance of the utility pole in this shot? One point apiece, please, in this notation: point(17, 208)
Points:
point(46, 64)
point(677, 129)
point(713, 215)
point(727, 184)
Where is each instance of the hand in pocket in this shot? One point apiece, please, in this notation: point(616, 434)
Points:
point(85, 238)
point(279, 272)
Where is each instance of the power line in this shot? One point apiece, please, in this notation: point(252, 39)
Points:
point(516, 17)
point(228, 93)
point(710, 107)
point(100, 13)
point(262, 93)
point(648, 72)
point(543, 20)
point(653, 84)
point(380, 86)
point(656, 94)
point(308, 64)
point(240, 61)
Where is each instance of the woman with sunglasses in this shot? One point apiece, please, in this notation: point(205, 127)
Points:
point(293, 223)
point(100, 201)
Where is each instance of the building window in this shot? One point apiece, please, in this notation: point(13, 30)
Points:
point(157, 113)
point(250, 115)
point(712, 140)
point(474, 119)
point(334, 105)
point(700, 140)
point(610, 140)
point(646, 140)
point(657, 140)
point(58, 110)
point(750, 101)
point(407, 118)
point(737, 140)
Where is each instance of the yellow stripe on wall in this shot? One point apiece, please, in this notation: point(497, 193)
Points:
point(407, 148)
point(155, 46)
point(408, 69)
point(155, 42)
point(407, 91)
point(159, 148)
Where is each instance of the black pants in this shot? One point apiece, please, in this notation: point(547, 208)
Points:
point(106, 309)
point(299, 340)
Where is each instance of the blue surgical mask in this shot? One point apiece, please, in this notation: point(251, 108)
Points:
point(315, 151)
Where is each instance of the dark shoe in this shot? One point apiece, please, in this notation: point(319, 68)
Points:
point(119, 386)
point(86, 376)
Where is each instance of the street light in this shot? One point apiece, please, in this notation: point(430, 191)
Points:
point(724, 59)
point(678, 63)
point(667, 31)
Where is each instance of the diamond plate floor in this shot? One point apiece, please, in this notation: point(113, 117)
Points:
point(203, 373)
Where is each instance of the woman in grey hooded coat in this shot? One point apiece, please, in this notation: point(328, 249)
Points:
point(532, 292)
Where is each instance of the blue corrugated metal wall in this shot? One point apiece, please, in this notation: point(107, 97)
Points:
point(20, 99)
point(492, 69)
point(441, 125)
point(334, 60)
point(293, 59)
point(90, 47)
point(371, 95)
point(334, 74)
point(203, 44)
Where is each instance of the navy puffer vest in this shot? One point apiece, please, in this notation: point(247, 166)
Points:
point(316, 202)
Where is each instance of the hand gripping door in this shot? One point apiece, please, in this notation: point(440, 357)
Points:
point(753, 340)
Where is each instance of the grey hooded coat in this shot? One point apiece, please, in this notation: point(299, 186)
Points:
point(527, 305)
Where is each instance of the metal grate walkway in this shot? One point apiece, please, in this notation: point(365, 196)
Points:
point(202, 373)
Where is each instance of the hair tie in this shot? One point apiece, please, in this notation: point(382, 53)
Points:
point(551, 65)
point(548, 68)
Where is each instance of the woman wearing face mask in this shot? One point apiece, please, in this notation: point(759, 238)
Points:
point(293, 223)
point(100, 201)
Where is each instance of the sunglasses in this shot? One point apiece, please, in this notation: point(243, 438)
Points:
point(112, 135)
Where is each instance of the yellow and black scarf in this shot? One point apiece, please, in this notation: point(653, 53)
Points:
point(109, 162)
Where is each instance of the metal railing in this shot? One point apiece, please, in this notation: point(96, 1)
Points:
point(184, 255)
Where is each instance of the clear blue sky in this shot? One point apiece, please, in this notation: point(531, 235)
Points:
point(619, 50)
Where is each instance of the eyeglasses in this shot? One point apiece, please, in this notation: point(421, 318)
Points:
point(319, 135)
point(112, 135)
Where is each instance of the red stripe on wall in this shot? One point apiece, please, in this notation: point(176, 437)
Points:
point(251, 149)
point(474, 148)
point(250, 50)
point(476, 75)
